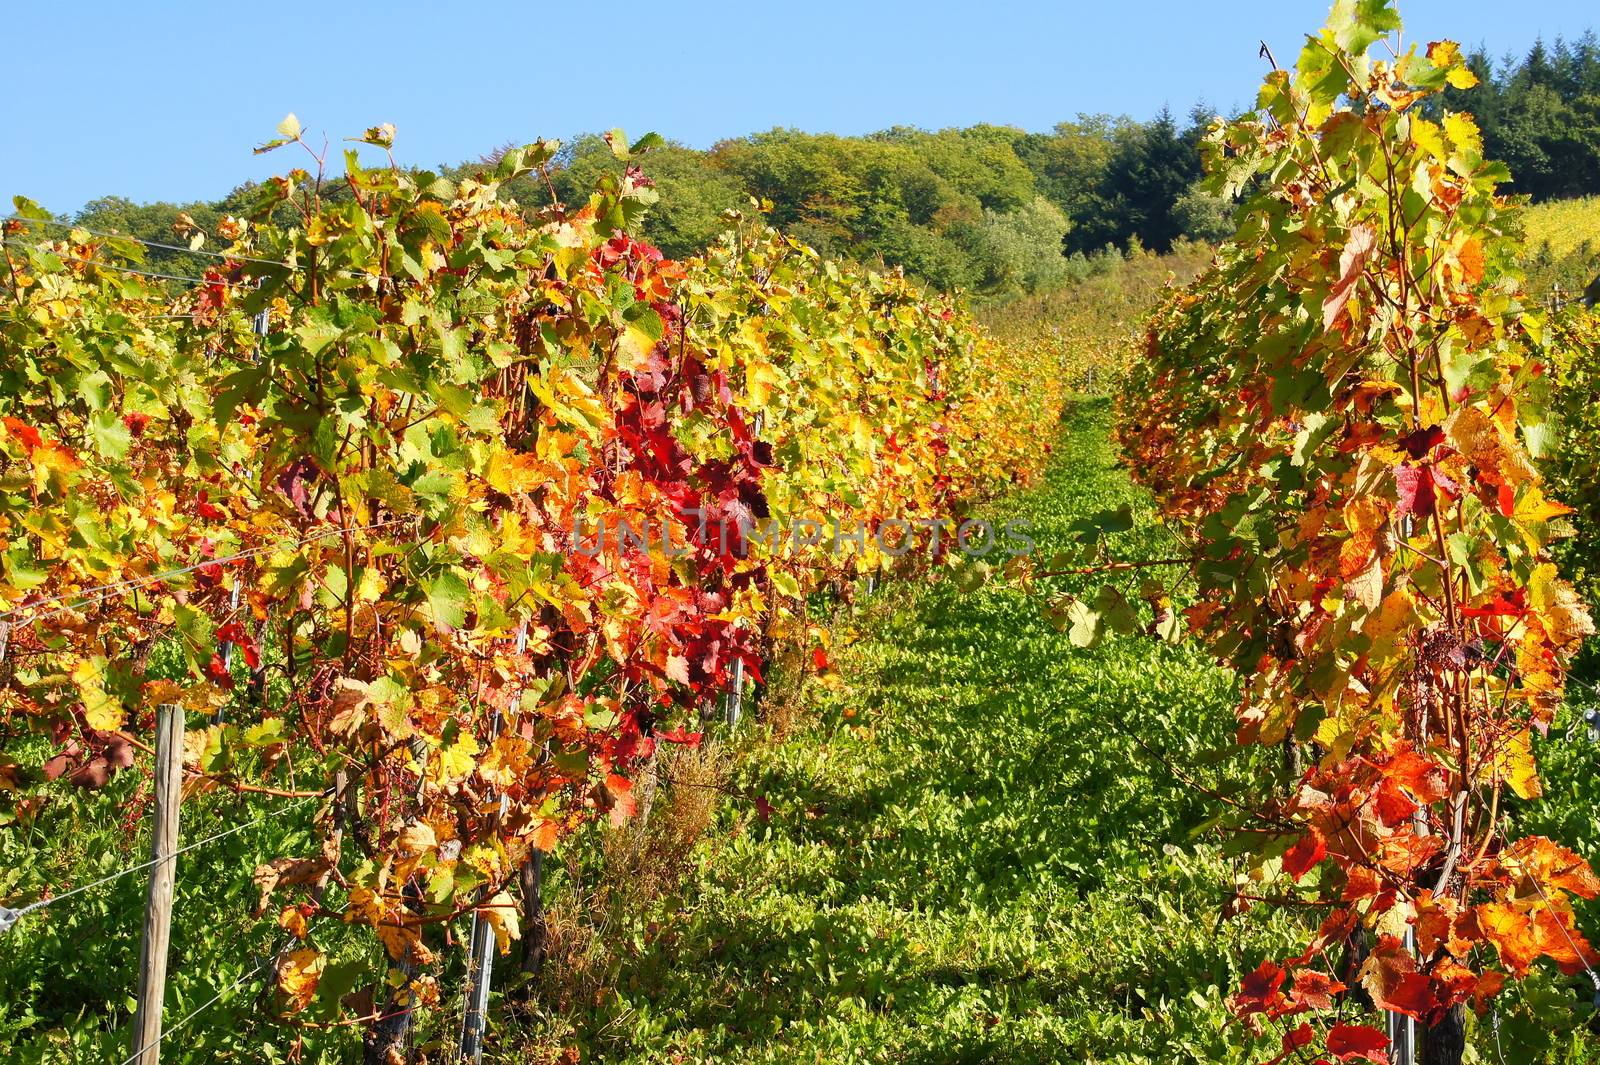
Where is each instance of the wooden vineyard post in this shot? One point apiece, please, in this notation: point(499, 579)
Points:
point(338, 810)
point(531, 881)
point(146, 1038)
point(261, 324)
point(388, 1034)
point(227, 652)
point(733, 705)
point(534, 932)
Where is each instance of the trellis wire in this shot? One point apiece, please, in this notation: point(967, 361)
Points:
point(150, 243)
point(354, 274)
point(152, 274)
point(88, 596)
point(167, 1030)
point(9, 917)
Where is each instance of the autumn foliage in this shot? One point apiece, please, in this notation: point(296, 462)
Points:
point(1341, 417)
point(346, 545)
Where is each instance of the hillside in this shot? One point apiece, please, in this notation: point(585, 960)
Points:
point(1563, 245)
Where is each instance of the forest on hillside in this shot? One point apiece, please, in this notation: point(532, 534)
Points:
point(996, 210)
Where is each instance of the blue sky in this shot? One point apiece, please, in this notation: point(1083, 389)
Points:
point(161, 100)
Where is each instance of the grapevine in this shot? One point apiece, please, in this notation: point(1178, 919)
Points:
point(386, 542)
point(1341, 417)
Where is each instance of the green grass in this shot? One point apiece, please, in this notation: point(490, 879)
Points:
point(69, 972)
point(970, 858)
point(980, 863)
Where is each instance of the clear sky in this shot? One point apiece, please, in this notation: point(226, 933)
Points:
point(162, 100)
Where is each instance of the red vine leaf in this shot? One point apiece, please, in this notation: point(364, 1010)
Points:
point(1352, 1042)
point(1307, 852)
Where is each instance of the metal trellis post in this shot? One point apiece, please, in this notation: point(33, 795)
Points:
point(735, 697)
point(480, 951)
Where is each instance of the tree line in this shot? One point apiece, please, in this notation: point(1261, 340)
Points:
point(998, 210)
point(1540, 115)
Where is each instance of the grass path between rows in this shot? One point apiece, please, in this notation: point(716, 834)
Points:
point(987, 845)
point(969, 858)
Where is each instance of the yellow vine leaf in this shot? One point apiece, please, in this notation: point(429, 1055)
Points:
point(293, 921)
point(500, 914)
point(417, 838)
point(298, 975)
point(100, 710)
point(458, 759)
point(1514, 765)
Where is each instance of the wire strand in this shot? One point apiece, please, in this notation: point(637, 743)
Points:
point(151, 243)
point(166, 1030)
point(279, 263)
point(17, 915)
point(99, 593)
point(113, 266)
